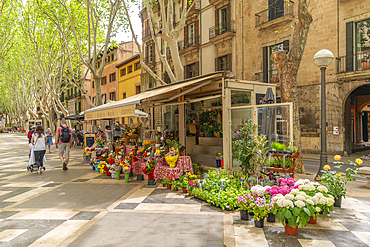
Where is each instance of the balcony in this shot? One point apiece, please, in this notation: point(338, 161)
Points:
point(270, 76)
point(146, 33)
point(189, 43)
point(275, 15)
point(354, 66)
point(222, 29)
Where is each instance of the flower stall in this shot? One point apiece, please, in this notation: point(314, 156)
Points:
point(203, 114)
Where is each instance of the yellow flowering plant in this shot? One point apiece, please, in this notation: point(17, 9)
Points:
point(335, 181)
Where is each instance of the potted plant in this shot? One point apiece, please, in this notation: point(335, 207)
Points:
point(149, 170)
point(243, 147)
point(169, 182)
point(163, 181)
point(176, 185)
point(126, 170)
point(274, 79)
point(245, 204)
point(365, 62)
point(260, 209)
point(217, 29)
point(334, 180)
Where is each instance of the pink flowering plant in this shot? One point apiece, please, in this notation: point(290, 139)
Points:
point(260, 207)
point(286, 182)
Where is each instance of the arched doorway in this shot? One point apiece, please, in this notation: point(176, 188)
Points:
point(357, 120)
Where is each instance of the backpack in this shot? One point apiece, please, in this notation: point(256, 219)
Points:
point(65, 135)
point(30, 134)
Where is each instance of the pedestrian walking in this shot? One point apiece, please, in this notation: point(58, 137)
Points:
point(49, 136)
point(38, 141)
point(63, 142)
point(117, 131)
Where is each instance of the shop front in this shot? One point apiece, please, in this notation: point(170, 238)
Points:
point(203, 114)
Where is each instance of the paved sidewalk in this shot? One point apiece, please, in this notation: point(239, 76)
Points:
point(364, 155)
point(81, 207)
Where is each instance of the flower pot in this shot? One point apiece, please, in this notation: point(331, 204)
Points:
point(218, 162)
point(140, 177)
point(86, 158)
point(182, 153)
point(251, 214)
point(177, 189)
point(290, 230)
point(365, 65)
point(338, 202)
point(164, 185)
point(222, 164)
point(131, 174)
point(93, 168)
point(276, 166)
point(169, 186)
point(312, 220)
point(259, 223)
point(184, 190)
point(127, 178)
point(117, 175)
point(113, 175)
point(271, 218)
point(108, 173)
point(151, 182)
point(244, 215)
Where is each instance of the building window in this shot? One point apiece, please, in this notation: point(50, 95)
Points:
point(137, 66)
point(123, 72)
point(276, 9)
point(129, 69)
point(104, 98)
point(137, 89)
point(191, 33)
point(112, 96)
point(223, 18)
point(124, 96)
point(93, 100)
point(93, 84)
point(191, 70)
point(112, 77)
point(270, 73)
point(166, 78)
point(150, 53)
point(112, 57)
point(223, 63)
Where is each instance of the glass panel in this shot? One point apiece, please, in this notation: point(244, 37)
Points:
point(237, 116)
point(274, 123)
point(240, 98)
point(166, 118)
point(362, 45)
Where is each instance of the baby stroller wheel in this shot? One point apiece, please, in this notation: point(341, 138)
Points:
point(31, 169)
point(43, 168)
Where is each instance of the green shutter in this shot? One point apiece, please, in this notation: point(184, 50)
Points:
point(349, 46)
point(265, 64)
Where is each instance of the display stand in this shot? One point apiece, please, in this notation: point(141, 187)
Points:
point(289, 170)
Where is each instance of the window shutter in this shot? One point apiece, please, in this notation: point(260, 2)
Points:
point(216, 64)
point(279, 8)
point(196, 68)
point(196, 32)
point(286, 45)
point(228, 16)
point(216, 17)
point(349, 46)
point(265, 64)
point(229, 61)
point(186, 38)
point(153, 53)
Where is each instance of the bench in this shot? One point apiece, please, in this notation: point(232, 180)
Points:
point(365, 172)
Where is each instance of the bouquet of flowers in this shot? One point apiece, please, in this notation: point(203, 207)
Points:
point(172, 156)
point(117, 166)
point(126, 168)
point(87, 152)
point(100, 142)
point(335, 181)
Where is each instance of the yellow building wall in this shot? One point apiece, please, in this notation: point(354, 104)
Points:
point(127, 83)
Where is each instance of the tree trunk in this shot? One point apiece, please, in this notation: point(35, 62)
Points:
point(287, 66)
point(98, 96)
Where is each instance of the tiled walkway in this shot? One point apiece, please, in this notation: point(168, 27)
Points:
point(80, 207)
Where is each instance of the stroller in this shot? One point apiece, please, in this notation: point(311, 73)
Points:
point(33, 166)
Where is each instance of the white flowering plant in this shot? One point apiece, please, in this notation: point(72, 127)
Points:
point(315, 195)
point(292, 210)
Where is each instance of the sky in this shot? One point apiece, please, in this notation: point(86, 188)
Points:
point(136, 23)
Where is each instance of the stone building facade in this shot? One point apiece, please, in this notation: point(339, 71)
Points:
point(265, 26)
point(255, 29)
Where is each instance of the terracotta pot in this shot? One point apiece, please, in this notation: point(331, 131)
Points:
point(276, 166)
point(169, 186)
point(312, 220)
point(182, 154)
point(184, 190)
point(176, 189)
point(365, 65)
point(290, 230)
point(164, 185)
point(274, 79)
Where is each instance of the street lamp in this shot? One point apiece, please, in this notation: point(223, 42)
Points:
point(323, 59)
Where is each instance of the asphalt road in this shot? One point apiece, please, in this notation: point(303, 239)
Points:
point(312, 166)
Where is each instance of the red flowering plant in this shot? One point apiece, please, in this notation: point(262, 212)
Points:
point(149, 169)
point(169, 180)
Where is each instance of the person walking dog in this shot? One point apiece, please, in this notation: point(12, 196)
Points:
point(38, 141)
point(63, 142)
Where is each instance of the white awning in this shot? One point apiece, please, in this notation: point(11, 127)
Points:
point(136, 99)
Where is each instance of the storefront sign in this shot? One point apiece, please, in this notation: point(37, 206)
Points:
point(123, 111)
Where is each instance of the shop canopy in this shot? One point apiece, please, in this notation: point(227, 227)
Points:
point(75, 117)
point(126, 107)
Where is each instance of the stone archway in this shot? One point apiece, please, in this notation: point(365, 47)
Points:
point(355, 122)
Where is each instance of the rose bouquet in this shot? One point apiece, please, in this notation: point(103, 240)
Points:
point(87, 152)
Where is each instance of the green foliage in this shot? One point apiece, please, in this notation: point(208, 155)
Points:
point(198, 168)
point(278, 146)
point(243, 148)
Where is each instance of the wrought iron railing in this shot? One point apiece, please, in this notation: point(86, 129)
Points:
point(146, 33)
point(223, 27)
point(189, 42)
point(355, 62)
point(275, 11)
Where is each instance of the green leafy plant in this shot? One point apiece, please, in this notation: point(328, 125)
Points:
point(260, 153)
point(277, 146)
point(335, 181)
point(243, 148)
point(198, 168)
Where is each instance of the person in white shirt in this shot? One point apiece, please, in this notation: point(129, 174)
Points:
point(38, 141)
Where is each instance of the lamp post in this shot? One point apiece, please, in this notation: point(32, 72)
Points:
point(323, 59)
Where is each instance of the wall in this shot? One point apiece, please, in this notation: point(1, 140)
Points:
point(127, 83)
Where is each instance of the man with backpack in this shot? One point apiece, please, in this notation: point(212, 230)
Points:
point(30, 133)
point(63, 141)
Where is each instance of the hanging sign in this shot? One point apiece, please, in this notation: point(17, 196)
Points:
point(123, 111)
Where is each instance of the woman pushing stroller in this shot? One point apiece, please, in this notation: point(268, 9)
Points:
point(38, 141)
